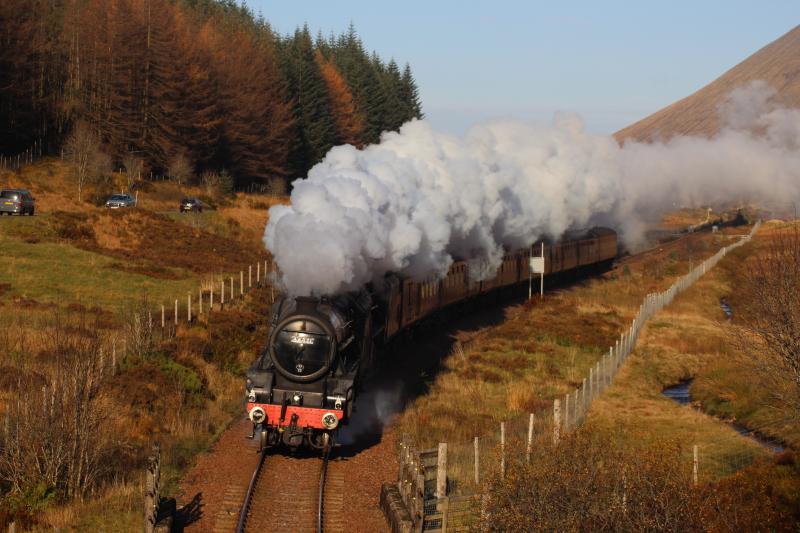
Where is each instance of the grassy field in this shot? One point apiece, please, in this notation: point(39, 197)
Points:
point(61, 273)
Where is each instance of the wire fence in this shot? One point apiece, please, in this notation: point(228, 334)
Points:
point(26, 157)
point(460, 467)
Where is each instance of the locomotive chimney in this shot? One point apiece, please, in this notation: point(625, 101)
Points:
point(306, 304)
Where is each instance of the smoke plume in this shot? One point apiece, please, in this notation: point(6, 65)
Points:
point(420, 198)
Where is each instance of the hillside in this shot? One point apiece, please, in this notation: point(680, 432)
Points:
point(778, 64)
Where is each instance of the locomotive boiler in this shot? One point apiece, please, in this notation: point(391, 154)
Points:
point(301, 389)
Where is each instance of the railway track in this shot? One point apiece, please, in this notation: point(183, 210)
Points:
point(293, 495)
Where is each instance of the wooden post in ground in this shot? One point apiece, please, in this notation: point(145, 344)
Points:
point(529, 447)
point(695, 464)
point(200, 302)
point(566, 412)
point(258, 273)
point(176, 312)
point(241, 283)
point(211, 299)
point(556, 420)
point(591, 384)
point(250, 276)
point(597, 378)
point(441, 471)
point(231, 288)
point(163, 317)
point(221, 294)
point(584, 401)
point(502, 449)
point(477, 462)
point(189, 308)
point(575, 409)
point(149, 501)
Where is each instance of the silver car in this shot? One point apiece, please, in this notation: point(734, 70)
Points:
point(119, 201)
point(16, 202)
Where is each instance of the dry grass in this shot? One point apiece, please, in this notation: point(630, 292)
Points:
point(543, 351)
point(691, 339)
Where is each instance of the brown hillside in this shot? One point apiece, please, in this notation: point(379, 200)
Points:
point(778, 64)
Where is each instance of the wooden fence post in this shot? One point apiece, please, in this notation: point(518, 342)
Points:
point(200, 302)
point(241, 283)
point(176, 312)
point(221, 294)
point(258, 273)
point(189, 308)
point(250, 276)
point(150, 503)
point(441, 471)
point(211, 300)
point(566, 412)
point(477, 462)
point(502, 449)
point(231, 288)
point(584, 401)
point(163, 317)
point(575, 409)
point(529, 447)
point(695, 464)
point(556, 420)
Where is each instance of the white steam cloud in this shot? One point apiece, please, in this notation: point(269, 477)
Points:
point(421, 198)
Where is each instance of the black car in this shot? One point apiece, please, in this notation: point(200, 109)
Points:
point(191, 204)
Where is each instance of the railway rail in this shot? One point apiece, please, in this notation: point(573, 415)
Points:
point(293, 494)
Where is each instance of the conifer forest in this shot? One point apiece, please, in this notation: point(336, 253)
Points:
point(198, 83)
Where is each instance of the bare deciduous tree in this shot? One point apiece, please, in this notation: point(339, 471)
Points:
point(138, 329)
point(134, 165)
point(769, 321)
point(277, 186)
point(180, 168)
point(82, 147)
point(52, 436)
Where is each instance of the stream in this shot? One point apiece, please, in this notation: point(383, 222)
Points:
point(680, 394)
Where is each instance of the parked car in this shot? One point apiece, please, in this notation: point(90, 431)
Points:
point(119, 201)
point(16, 202)
point(191, 204)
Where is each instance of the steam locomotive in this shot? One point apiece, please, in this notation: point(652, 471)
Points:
point(302, 387)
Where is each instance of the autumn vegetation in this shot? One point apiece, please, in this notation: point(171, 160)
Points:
point(179, 85)
point(629, 467)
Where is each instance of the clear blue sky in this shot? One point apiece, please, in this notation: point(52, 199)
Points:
point(612, 61)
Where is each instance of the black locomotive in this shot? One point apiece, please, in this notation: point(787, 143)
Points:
point(302, 387)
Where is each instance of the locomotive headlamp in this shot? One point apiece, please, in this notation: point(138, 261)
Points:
point(330, 421)
point(257, 415)
point(248, 384)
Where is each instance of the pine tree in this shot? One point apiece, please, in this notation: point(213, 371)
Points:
point(315, 124)
point(348, 123)
point(409, 94)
